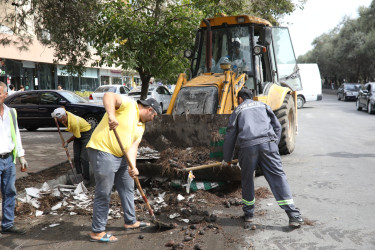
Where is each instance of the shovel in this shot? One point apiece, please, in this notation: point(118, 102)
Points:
point(78, 177)
point(216, 164)
point(153, 219)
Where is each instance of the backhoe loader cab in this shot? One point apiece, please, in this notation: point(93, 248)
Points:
point(252, 46)
point(232, 52)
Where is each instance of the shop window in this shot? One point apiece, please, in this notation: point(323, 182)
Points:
point(104, 80)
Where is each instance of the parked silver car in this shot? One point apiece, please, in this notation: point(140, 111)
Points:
point(159, 93)
point(98, 94)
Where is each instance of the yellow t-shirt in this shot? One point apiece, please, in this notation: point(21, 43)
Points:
point(76, 125)
point(130, 129)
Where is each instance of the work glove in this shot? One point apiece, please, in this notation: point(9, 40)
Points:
point(66, 144)
point(24, 164)
point(225, 164)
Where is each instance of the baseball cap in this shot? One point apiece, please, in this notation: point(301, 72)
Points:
point(151, 102)
point(58, 113)
point(245, 93)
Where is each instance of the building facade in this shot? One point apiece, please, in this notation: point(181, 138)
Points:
point(34, 68)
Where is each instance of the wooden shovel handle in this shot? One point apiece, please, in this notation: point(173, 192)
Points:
point(66, 150)
point(63, 141)
point(136, 177)
point(216, 164)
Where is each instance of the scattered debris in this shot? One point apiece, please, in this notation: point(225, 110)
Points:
point(188, 238)
point(147, 153)
point(262, 193)
point(170, 243)
point(308, 222)
point(180, 197)
point(173, 158)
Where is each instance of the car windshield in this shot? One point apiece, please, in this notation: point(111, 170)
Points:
point(104, 89)
point(72, 98)
point(352, 87)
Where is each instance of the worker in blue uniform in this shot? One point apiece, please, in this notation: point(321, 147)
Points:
point(258, 132)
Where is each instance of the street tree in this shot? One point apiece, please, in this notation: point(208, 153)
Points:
point(148, 36)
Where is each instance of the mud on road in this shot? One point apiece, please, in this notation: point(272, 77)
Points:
point(207, 219)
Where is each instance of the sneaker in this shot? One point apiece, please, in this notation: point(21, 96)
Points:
point(13, 230)
point(248, 218)
point(295, 221)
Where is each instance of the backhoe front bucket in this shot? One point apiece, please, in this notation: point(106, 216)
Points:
point(184, 131)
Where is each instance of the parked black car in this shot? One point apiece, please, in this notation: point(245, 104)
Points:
point(34, 107)
point(348, 91)
point(366, 98)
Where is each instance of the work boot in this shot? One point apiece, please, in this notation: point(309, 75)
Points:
point(248, 218)
point(13, 230)
point(295, 221)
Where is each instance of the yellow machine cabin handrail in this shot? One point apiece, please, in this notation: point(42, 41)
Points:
point(180, 81)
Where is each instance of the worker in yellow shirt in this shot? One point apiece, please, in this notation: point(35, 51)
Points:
point(81, 130)
point(128, 117)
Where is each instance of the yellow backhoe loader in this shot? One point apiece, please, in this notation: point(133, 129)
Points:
point(231, 52)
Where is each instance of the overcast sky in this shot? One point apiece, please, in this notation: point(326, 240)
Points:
point(318, 17)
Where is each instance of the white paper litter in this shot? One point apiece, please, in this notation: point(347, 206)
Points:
point(80, 188)
point(38, 213)
point(54, 225)
point(269, 204)
point(185, 220)
point(81, 197)
point(33, 192)
point(72, 213)
point(27, 199)
point(175, 215)
point(180, 197)
point(35, 203)
point(160, 198)
point(45, 187)
point(56, 193)
point(57, 206)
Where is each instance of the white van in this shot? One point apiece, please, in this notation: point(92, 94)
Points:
point(311, 84)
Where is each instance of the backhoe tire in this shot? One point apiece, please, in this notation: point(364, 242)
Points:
point(287, 118)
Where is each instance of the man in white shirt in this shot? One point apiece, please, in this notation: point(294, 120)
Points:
point(11, 90)
point(10, 148)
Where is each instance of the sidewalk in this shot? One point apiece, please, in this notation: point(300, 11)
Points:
point(43, 150)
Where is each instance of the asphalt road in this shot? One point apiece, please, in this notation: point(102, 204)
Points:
point(332, 176)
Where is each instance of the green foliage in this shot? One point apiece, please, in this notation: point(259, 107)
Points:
point(348, 51)
point(148, 36)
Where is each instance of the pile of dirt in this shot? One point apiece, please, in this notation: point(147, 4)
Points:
point(39, 178)
point(176, 158)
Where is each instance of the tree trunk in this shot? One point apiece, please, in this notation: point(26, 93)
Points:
point(145, 78)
